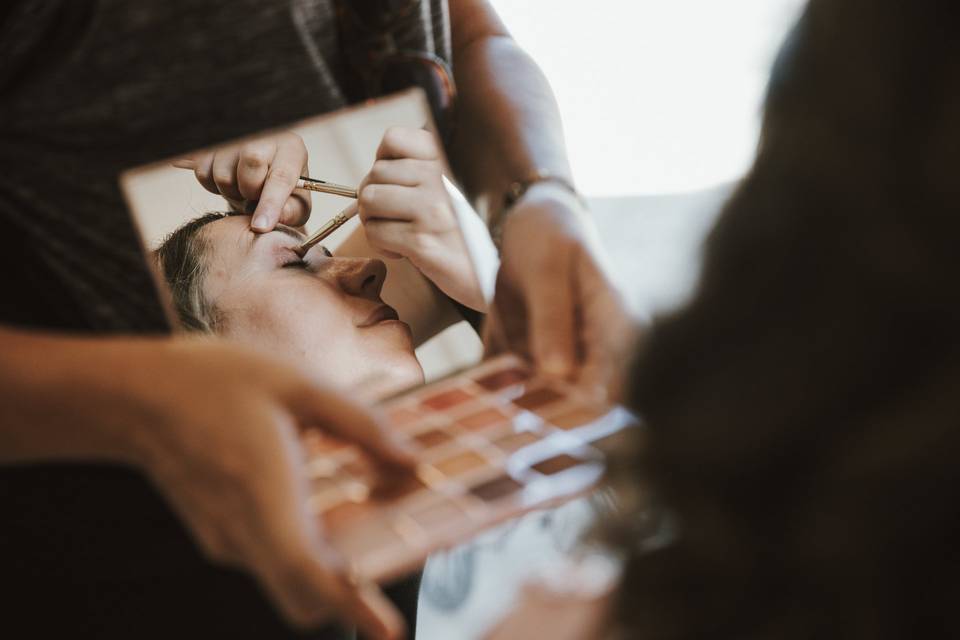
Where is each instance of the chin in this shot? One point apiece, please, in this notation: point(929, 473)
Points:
point(395, 378)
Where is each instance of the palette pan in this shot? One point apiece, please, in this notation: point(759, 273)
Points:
point(495, 442)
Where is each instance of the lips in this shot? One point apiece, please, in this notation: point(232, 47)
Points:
point(380, 314)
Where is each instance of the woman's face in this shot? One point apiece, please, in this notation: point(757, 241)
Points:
point(324, 312)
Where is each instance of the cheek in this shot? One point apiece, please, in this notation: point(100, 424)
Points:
point(288, 317)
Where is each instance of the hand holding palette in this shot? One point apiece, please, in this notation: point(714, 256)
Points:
point(496, 442)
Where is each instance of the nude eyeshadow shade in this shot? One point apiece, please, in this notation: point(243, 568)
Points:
point(515, 441)
point(460, 463)
point(482, 438)
point(577, 417)
point(483, 419)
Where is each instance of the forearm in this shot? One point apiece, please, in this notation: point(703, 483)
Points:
point(508, 121)
point(64, 398)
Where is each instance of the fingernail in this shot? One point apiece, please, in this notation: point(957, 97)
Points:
point(260, 222)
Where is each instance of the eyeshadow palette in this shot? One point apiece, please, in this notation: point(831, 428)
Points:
point(495, 442)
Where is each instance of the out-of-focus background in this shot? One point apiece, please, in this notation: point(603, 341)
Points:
point(661, 104)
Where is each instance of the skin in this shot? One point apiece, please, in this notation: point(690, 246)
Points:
point(214, 426)
point(322, 312)
point(148, 402)
point(508, 125)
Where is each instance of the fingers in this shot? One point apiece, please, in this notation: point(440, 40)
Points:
point(203, 171)
point(351, 422)
point(406, 172)
point(550, 298)
point(224, 170)
point(390, 238)
point(375, 614)
point(287, 165)
point(390, 201)
point(404, 142)
point(252, 168)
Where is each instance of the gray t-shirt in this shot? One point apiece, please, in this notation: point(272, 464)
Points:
point(89, 88)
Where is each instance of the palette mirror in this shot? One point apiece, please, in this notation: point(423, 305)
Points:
point(495, 440)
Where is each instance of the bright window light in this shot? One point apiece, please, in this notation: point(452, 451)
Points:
point(657, 96)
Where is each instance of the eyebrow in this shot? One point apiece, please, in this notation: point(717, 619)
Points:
point(293, 233)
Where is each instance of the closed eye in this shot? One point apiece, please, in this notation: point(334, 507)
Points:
point(296, 264)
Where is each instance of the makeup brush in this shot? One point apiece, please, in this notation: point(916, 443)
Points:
point(328, 227)
point(322, 186)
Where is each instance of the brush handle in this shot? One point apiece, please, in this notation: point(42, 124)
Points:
point(328, 227)
point(322, 186)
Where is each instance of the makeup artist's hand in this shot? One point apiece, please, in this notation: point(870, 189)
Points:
point(224, 451)
point(407, 213)
point(257, 176)
point(555, 301)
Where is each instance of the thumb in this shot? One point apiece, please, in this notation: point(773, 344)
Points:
point(352, 422)
point(552, 315)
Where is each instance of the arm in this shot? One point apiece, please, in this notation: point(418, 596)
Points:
point(215, 428)
point(508, 121)
point(554, 301)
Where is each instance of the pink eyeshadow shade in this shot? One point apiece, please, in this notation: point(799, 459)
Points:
point(483, 419)
point(538, 398)
point(502, 379)
point(557, 464)
point(446, 399)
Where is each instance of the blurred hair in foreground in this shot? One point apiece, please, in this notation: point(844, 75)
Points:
point(804, 408)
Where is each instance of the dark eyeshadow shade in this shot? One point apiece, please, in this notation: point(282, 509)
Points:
point(515, 441)
point(446, 399)
point(397, 486)
point(432, 438)
point(557, 464)
point(496, 489)
point(538, 398)
point(483, 419)
point(502, 379)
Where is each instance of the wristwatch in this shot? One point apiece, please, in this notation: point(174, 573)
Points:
point(517, 189)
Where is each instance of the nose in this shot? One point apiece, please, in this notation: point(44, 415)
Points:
point(362, 277)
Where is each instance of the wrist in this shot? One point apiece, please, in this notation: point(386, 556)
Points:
point(80, 401)
point(540, 188)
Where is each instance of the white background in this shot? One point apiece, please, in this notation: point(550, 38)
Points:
point(657, 96)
